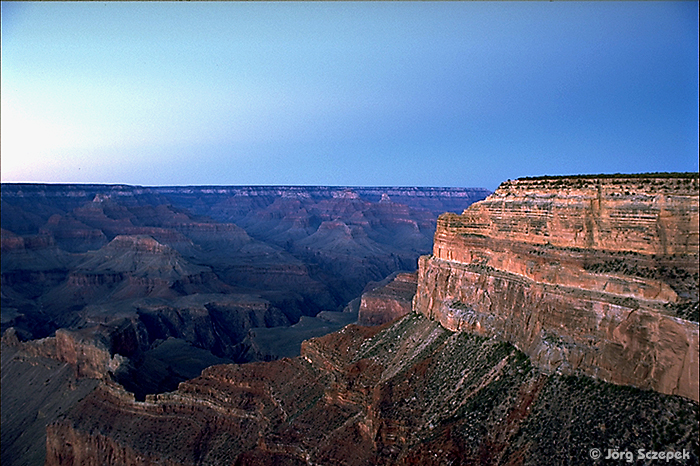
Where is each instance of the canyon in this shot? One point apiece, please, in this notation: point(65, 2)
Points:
point(557, 316)
point(185, 262)
point(147, 286)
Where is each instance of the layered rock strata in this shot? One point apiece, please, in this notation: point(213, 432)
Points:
point(388, 302)
point(83, 350)
point(592, 275)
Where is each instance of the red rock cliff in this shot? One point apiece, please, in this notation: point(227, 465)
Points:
point(585, 275)
point(386, 303)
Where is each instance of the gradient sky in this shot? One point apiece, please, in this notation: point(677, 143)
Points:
point(336, 93)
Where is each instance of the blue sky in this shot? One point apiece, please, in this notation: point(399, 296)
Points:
point(341, 93)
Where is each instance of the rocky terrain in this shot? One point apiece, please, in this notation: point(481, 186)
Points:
point(148, 286)
point(408, 393)
point(585, 275)
point(538, 335)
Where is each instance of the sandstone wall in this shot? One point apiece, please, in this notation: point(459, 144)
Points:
point(388, 302)
point(583, 275)
point(648, 215)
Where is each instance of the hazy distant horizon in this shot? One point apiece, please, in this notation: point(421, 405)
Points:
point(161, 186)
point(435, 94)
point(300, 186)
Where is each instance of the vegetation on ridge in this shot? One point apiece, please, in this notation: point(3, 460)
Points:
point(461, 398)
point(691, 175)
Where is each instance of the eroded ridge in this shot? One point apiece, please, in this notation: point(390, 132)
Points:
point(407, 393)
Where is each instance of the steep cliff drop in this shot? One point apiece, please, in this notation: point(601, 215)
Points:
point(586, 275)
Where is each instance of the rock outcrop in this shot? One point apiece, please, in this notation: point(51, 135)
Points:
point(36, 391)
point(86, 351)
point(586, 275)
point(388, 302)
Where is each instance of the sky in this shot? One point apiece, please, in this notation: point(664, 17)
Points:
point(346, 94)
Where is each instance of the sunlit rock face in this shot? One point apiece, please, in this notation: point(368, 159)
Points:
point(586, 275)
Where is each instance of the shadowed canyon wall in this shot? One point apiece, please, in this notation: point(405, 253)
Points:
point(147, 286)
point(587, 275)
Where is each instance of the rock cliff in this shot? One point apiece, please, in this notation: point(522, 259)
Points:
point(388, 302)
point(590, 275)
point(86, 351)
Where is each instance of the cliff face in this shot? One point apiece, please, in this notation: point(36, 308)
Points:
point(85, 351)
point(585, 275)
point(646, 215)
point(389, 302)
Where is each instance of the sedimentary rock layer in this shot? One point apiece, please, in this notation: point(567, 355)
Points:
point(386, 303)
point(585, 275)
